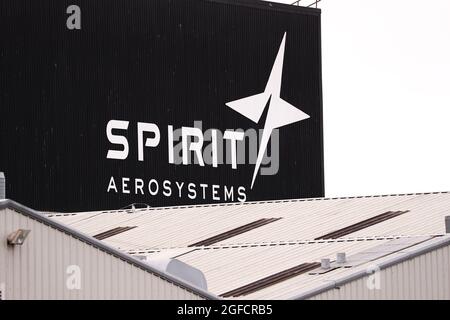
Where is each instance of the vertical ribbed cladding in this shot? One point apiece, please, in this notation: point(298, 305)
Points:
point(162, 62)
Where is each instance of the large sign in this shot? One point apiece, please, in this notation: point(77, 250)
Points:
point(106, 103)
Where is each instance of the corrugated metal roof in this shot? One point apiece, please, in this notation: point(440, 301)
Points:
point(280, 245)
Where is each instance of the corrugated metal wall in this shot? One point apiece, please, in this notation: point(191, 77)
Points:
point(39, 268)
point(424, 277)
point(163, 62)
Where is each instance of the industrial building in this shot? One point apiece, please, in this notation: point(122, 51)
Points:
point(379, 247)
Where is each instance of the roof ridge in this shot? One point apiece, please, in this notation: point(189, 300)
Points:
point(229, 204)
point(38, 216)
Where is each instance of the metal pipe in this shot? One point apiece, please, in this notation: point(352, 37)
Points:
point(2, 186)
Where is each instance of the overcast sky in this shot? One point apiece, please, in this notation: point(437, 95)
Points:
point(386, 79)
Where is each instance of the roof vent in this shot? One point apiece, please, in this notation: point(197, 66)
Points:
point(325, 264)
point(2, 186)
point(340, 258)
point(362, 225)
point(180, 270)
point(113, 232)
point(447, 224)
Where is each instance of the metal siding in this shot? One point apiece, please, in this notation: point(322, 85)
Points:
point(37, 269)
point(424, 277)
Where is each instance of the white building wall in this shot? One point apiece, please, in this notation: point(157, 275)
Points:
point(38, 268)
point(426, 276)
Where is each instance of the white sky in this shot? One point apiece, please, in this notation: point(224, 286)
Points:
point(386, 80)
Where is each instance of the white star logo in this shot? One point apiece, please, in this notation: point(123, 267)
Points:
point(280, 112)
